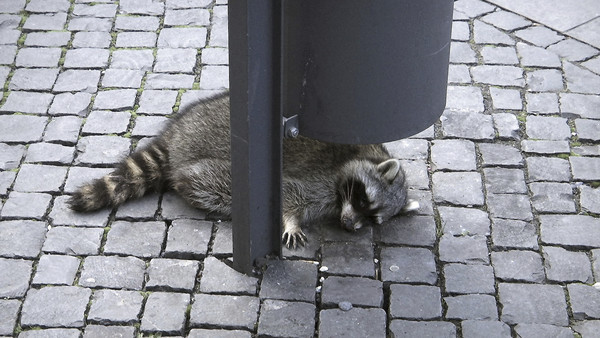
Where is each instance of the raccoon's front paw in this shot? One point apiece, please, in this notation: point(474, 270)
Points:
point(293, 238)
point(292, 233)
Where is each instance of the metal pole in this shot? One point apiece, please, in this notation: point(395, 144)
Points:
point(256, 129)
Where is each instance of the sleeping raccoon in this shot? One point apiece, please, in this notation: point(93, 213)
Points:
point(354, 184)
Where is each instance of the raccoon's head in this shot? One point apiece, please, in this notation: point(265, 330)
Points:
point(371, 193)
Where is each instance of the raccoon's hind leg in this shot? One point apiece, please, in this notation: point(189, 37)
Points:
point(205, 184)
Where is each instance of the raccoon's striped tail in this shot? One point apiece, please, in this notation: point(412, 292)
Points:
point(134, 176)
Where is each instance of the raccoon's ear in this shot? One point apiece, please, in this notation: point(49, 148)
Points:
point(389, 169)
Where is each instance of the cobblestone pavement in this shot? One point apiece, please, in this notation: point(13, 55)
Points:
point(506, 242)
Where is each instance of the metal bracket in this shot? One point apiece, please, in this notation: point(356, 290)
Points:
point(290, 126)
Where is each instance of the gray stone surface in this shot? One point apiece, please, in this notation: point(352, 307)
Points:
point(115, 307)
point(492, 328)
point(408, 265)
point(167, 274)
point(585, 168)
point(511, 206)
point(117, 99)
point(552, 197)
point(188, 238)
point(359, 322)
point(584, 301)
point(508, 233)
point(542, 330)
point(500, 155)
point(44, 307)
point(50, 153)
point(113, 272)
point(469, 278)
point(22, 238)
point(21, 128)
point(469, 194)
point(414, 230)
point(289, 280)
point(77, 241)
point(29, 102)
point(417, 302)
point(504, 181)
point(142, 239)
point(471, 307)
point(218, 277)
point(549, 299)
point(467, 125)
point(548, 169)
point(101, 149)
point(463, 249)
point(70, 104)
point(286, 319)
point(529, 267)
point(232, 312)
point(456, 155)
point(16, 283)
point(175, 304)
point(56, 269)
point(9, 310)
point(589, 199)
point(565, 266)
point(358, 291)
point(405, 328)
point(542, 103)
point(570, 230)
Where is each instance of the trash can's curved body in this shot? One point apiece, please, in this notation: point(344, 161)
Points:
point(364, 71)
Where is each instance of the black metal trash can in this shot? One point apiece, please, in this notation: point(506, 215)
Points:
point(364, 71)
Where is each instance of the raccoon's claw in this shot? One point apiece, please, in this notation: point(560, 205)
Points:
point(293, 238)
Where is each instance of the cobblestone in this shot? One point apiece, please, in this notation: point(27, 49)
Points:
point(529, 269)
point(408, 265)
point(469, 278)
point(360, 322)
point(584, 300)
point(175, 304)
point(471, 307)
point(56, 269)
point(141, 239)
point(16, 283)
point(115, 307)
point(172, 274)
point(422, 328)
point(77, 241)
point(218, 277)
point(26, 205)
point(549, 299)
point(570, 230)
point(233, 312)
point(286, 319)
point(46, 307)
point(508, 233)
point(548, 169)
point(415, 302)
point(542, 103)
point(113, 272)
point(562, 265)
point(279, 283)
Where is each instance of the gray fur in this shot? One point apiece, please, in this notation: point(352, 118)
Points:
point(192, 156)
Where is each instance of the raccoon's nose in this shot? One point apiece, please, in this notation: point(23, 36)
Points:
point(348, 224)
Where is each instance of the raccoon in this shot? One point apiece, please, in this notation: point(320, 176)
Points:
point(354, 185)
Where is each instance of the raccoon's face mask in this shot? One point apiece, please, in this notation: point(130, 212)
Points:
point(371, 193)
